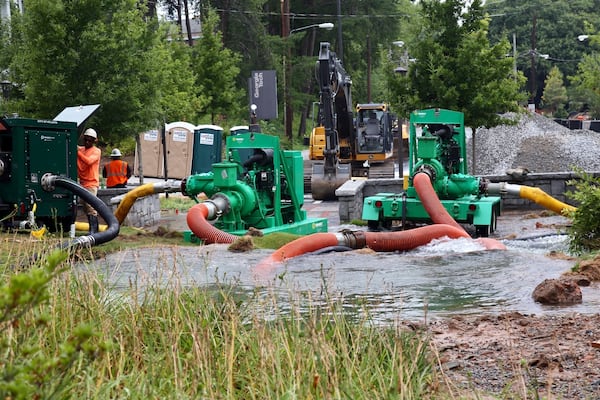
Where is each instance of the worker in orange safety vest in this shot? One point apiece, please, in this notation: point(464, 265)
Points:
point(117, 171)
point(88, 171)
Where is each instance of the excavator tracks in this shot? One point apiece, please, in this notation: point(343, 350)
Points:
point(385, 170)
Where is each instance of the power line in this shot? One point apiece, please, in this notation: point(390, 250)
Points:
point(307, 16)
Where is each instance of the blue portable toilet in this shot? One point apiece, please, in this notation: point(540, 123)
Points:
point(208, 147)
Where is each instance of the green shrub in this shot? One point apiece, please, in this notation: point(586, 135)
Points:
point(36, 364)
point(585, 230)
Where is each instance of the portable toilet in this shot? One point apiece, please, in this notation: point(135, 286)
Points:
point(171, 159)
point(149, 154)
point(208, 144)
point(179, 143)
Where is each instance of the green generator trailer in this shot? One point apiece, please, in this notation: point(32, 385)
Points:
point(29, 149)
point(437, 147)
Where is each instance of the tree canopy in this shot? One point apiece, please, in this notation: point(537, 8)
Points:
point(118, 54)
point(91, 52)
point(455, 66)
point(545, 34)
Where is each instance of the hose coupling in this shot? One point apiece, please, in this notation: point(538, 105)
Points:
point(169, 186)
point(48, 182)
point(352, 239)
point(84, 241)
point(220, 205)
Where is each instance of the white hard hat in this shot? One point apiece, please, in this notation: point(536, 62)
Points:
point(115, 153)
point(91, 133)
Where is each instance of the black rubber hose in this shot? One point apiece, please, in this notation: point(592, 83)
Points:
point(111, 231)
point(330, 249)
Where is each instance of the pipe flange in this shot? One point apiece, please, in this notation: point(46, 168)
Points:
point(48, 182)
point(183, 187)
point(428, 170)
point(483, 186)
point(221, 202)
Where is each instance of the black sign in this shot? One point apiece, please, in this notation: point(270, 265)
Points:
point(263, 94)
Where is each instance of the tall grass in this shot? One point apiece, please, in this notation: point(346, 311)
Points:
point(176, 202)
point(219, 342)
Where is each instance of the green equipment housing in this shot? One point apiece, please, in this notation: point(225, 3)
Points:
point(29, 149)
point(263, 186)
point(437, 147)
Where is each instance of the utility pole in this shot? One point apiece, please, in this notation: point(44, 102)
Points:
point(288, 113)
point(368, 69)
point(532, 73)
point(340, 50)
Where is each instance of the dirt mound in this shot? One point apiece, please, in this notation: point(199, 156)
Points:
point(520, 356)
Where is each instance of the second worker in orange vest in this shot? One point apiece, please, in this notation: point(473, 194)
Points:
point(117, 171)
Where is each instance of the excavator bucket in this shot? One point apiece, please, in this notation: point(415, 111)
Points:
point(323, 185)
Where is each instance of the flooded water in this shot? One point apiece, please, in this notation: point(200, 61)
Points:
point(440, 279)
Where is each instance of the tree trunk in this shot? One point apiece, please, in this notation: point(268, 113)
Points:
point(225, 20)
point(140, 171)
point(188, 25)
point(473, 169)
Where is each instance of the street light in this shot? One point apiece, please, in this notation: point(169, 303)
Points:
point(287, 77)
point(325, 25)
point(402, 69)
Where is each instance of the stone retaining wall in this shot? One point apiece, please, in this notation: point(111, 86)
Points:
point(144, 212)
point(352, 193)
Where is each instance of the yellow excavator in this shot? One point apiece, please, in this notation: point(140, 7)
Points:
point(344, 146)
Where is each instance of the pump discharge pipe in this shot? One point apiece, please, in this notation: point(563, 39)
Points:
point(49, 183)
point(126, 201)
point(534, 194)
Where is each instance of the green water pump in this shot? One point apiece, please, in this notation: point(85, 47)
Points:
point(259, 186)
point(437, 148)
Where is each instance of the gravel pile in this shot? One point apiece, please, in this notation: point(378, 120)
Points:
point(536, 143)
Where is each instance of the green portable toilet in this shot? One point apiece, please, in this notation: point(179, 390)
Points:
point(208, 143)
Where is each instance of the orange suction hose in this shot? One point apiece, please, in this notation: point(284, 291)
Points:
point(431, 201)
point(437, 212)
point(413, 238)
point(197, 222)
point(378, 241)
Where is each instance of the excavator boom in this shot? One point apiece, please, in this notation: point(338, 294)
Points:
point(335, 120)
point(341, 146)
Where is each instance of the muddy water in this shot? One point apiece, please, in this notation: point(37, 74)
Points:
point(440, 279)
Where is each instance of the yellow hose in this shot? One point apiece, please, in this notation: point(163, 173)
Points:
point(130, 198)
point(542, 198)
point(85, 227)
point(124, 206)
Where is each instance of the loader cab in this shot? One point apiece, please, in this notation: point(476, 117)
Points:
point(373, 130)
